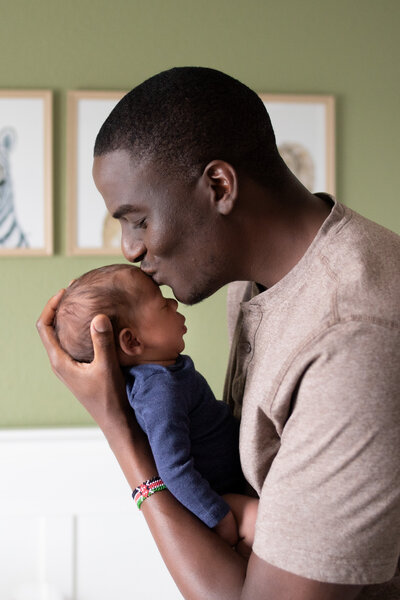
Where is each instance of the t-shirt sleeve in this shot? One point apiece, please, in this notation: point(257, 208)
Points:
point(330, 504)
point(164, 413)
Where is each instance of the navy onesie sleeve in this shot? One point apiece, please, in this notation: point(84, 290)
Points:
point(164, 402)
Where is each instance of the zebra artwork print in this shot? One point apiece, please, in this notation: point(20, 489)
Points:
point(11, 233)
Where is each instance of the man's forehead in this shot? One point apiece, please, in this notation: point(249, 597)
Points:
point(123, 182)
point(115, 179)
point(105, 165)
point(120, 165)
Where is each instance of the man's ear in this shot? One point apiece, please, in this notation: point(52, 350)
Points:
point(222, 180)
point(129, 343)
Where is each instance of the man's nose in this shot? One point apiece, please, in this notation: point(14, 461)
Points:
point(133, 250)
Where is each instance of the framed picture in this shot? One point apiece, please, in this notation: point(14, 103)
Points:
point(26, 219)
point(91, 230)
point(305, 134)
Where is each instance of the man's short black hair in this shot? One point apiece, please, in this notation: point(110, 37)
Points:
point(186, 117)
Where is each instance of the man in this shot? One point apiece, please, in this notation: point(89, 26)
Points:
point(187, 162)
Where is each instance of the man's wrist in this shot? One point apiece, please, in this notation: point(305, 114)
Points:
point(132, 450)
point(117, 430)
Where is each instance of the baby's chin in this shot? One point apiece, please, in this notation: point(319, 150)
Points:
point(156, 359)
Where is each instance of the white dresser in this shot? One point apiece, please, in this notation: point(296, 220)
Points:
point(69, 529)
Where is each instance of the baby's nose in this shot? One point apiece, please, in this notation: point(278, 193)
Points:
point(174, 303)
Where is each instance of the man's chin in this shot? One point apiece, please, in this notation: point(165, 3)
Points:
point(191, 297)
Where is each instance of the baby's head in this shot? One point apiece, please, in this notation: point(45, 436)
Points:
point(147, 326)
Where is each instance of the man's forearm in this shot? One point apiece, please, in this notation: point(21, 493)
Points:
point(132, 451)
point(201, 563)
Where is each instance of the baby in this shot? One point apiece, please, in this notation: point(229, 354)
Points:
point(193, 437)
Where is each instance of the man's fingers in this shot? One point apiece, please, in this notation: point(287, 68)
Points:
point(47, 316)
point(45, 328)
point(59, 360)
point(103, 341)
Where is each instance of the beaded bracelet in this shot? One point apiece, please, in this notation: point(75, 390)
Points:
point(148, 488)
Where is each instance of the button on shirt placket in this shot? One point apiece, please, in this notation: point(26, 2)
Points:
point(251, 318)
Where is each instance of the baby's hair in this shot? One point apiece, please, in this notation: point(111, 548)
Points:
point(95, 292)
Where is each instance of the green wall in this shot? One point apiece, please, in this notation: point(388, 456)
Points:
point(349, 48)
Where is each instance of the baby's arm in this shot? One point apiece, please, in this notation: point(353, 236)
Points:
point(163, 416)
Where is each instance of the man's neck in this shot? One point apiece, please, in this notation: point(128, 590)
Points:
point(279, 231)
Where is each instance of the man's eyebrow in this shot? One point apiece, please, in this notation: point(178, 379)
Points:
point(124, 210)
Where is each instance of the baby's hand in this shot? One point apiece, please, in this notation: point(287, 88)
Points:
point(244, 511)
point(227, 529)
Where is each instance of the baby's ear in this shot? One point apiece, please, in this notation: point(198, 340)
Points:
point(129, 343)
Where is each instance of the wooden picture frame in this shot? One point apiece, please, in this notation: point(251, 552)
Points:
point(304, 127)
point(91, 230)
point(26, 185)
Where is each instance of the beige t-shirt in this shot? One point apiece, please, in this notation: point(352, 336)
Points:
point(315, 374)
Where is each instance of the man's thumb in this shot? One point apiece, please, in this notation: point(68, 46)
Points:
point(101, 324)
point(103, 338)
